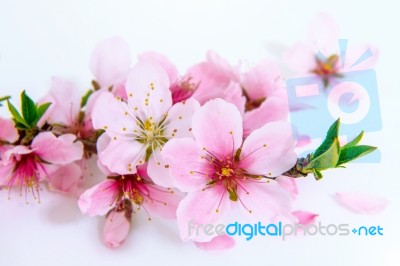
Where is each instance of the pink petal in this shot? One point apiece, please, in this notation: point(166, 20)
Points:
point(274, 108)
point(154, 204)
point(217, 127)
point(110, 61)
point(269, 150)
point(324, 34)
point(98, 199)
point(58, 150)
point(65, 102)
point(113, 116)
point(301, 58)
point(184, 159)
point(123, 156)
point(8, 132)
point(66, 178)
point(361, 202)
point(5, 172)
point(221, 242)
point(116, 229)
point(304, 217)
point(164, 62)
point(147, 87)
point(179, 119)
point(233, 94)
point(12, 154)
point(158, 169)
point(262, 80)
point(265, 201)
point(199, 208)
point(289, 184)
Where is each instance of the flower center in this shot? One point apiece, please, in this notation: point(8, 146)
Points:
point(327, 68)
point(26, 176)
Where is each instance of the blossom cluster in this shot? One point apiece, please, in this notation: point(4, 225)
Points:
point(200, 147)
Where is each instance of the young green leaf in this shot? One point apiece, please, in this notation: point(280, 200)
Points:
point(317, 175)
point(355, 141)
point(332, 134)
point(16, 116)
point(41, 109)
point(326, 160)
point(29, 111)
point(353, 152)
point(5, 98)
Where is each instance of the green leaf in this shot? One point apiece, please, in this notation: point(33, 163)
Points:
point(85, 98)
point(5, 98)
point(353, 152)
point(355, 141)
point(16, 116)
point(29, 111)
point(328, 159)
point(41, 109)
point(331, 136)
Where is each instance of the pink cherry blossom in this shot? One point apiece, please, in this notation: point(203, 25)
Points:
point(8, 134)
point(64, 113)
point(220, 170)
point(140, 127)
point(266, 99)
point(25, 166)
point(138, 189)
point(320, 54)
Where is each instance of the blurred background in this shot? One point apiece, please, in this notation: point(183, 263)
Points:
point(40, 39)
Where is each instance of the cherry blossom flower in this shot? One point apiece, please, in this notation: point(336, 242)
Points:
point(321, 55)
point(140, 127)
point(26, 166)
point(138, 189)
point(219, 170)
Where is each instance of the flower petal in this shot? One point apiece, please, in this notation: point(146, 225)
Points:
point(8, 132)
point(158, 169)
point(116, 229)
point(123, 156)
point(289, 184)
point(221, 242)
point(164, 62)
point(265, 201)
point(217, 127)
point(98, 199)
point(148, 91)
point(361, 202)
point(57, 150)
point(65, 102)
point(179, 120)
point(269, 150)
point(113, 116)
point(274, 108)
point(162, 202)
point(66, 178)
point(199, 208)
point(305, 217)
point(110, 61)
point(187, 168)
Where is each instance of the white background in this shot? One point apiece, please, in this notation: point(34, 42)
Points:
point(39, 39)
